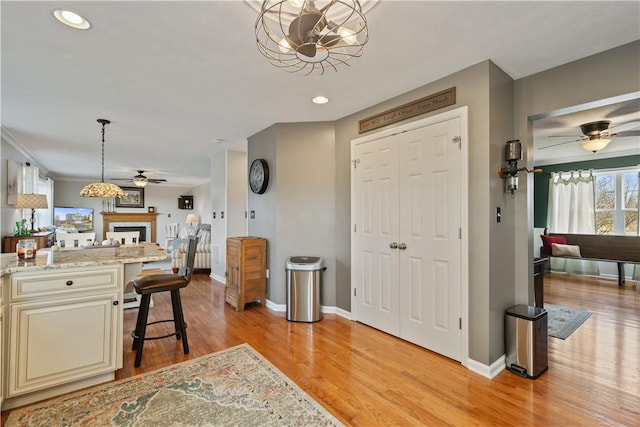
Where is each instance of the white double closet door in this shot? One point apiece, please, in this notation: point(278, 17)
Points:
point(406, 240)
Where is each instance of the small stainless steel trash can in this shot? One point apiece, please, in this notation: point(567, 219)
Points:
point(303, 288)
point(526, 340)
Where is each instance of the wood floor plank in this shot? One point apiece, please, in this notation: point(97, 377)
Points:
point(368, 378)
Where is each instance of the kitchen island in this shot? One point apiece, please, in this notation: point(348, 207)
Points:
point(61, 319)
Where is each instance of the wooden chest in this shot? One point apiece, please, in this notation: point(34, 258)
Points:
point(246, 271)
point(43, 240)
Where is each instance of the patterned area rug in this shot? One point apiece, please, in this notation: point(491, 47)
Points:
point(234, 387)
point(563, 321)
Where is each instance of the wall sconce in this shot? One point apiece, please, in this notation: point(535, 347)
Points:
point(513, 154)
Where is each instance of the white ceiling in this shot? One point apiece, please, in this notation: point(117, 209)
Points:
point(175, 78)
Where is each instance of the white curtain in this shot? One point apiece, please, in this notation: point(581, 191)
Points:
point(571, 209)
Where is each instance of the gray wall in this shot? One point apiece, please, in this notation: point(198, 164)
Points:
point(299, 200)
point(264, 224)
point(500, 257)
point(487, 91)
point(589, 80)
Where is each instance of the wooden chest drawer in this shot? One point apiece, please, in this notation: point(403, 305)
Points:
point(62, 282)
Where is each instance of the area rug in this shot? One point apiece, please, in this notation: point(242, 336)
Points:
point(563, 321)
point(233, 387)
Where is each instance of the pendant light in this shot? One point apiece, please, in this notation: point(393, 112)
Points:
point(102, 189)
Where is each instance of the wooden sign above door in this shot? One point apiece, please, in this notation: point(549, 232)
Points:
point(412, 109)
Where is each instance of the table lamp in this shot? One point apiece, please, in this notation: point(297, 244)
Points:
point(191, 218)
point(33, 202)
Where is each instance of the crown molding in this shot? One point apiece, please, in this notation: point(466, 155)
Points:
point(11, 139)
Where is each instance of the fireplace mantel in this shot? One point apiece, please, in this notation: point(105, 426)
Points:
point(109, 217)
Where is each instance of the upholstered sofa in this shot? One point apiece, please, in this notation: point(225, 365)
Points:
point(203, 247)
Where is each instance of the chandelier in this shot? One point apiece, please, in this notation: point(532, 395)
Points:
point(102, 189)
point(311, 35)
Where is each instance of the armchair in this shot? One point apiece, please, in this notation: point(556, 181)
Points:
point(203, 247)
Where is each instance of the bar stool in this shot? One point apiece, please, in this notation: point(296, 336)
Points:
point(148, 285)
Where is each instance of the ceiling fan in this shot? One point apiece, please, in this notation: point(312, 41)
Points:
point(140, 180)
point(597, 135)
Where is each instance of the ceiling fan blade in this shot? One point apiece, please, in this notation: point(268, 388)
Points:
point(564, 136)
point(561, 143)
point(624, 127)
point(304, 26)
point(308, 49)
point(329, 40)
point(156, 181)
point(629, 133)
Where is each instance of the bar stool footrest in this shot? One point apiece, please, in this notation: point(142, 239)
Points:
point(135, 337)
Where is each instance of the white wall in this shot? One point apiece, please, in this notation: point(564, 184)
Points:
point(9, 215)
point(228, 198)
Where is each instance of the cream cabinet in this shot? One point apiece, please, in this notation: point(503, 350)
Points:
point(2, 375)
point(65, 326)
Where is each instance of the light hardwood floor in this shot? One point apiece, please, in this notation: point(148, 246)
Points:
point(367, 378)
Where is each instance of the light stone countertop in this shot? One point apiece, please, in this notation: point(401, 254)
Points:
point(78, 257)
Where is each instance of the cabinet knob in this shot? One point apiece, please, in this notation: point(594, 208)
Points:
point(69, 282)
point(402, 246)
point(393, 245)
point(116, 302)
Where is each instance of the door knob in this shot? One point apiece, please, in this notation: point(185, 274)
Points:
point(393, 245)
point(402, 246)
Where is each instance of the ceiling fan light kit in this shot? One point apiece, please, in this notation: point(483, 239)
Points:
point(140, 180)
point(311, 35)
point(102, 189)
point(595, 144)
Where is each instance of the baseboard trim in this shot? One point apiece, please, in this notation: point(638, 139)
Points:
point(486, 371)
point(217, 278)
point(326, 309)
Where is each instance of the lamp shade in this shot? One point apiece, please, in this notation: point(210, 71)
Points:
point(191, 218)
point(595, 144)
point(102, 189)
point(32, 201)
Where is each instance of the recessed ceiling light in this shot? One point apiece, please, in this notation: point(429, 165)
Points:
point(71, 19)
point(320, 100)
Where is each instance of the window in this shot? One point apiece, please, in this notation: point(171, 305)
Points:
point(616, 200)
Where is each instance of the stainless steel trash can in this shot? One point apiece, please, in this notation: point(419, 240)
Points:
point(526, 340)
point(303, 288)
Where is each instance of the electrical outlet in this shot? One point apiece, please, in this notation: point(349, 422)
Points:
point(214, 215)
point(253, 214)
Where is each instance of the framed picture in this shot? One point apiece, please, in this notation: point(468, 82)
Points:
point(14, 181)
point(133, 198)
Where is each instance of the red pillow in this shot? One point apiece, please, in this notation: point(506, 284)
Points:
point(548, 240)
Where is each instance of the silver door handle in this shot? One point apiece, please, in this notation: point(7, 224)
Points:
point(393, 245)
point(402, 246)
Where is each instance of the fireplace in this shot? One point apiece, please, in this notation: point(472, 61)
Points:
point(143, 222)
point(141, 229)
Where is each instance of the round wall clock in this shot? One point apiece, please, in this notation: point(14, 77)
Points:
point(259, 176)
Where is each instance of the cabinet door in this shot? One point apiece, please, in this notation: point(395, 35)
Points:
point(55, 342)
point(2, 364)
point(233, 272)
